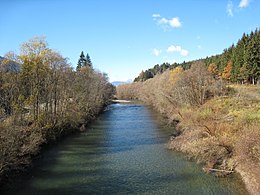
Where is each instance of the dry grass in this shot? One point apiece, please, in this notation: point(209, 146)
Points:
point(224, 133)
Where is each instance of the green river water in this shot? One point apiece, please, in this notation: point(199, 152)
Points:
point(122, 152)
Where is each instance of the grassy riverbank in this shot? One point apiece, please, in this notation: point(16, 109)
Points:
point(217, 124)
point(224, 134)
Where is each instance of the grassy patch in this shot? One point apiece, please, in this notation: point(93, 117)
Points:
point(224, 132)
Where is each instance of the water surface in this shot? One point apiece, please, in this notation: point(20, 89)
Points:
point(123, 152)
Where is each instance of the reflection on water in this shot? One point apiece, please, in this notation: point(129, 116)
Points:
point(123, 152)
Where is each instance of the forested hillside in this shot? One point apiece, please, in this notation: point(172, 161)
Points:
point(240, 63)
point(43, 100)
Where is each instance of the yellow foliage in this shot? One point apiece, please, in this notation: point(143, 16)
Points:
point(213, 69)
point(175, 73)
point(226, 74)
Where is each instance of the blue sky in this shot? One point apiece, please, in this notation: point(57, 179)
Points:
point(124, 37)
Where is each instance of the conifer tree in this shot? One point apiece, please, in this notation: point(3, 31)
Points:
point(82, 61)
point(239, 60)
point(88, 61)
point(253, 57)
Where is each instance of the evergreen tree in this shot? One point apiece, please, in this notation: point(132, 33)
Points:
point(239, 60)
point(82, 61)
point(253, 57)
point(88, 61)
point(148, 74)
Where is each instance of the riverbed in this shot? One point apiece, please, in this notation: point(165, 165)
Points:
point(122, 152)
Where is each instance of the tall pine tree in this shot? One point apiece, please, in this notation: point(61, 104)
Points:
point(88, 61)
point(253, 57)
point(82, 61)
point(239, 60)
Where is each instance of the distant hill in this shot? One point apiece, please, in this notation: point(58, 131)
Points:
point(116, 83)
point(11, 66)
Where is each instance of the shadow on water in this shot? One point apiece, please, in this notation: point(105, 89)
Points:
point(123, 152)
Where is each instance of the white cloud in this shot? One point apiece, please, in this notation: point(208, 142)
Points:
point(162, 21)
point(156, 52)
point(172, 49)
point(156, 15)
point(244, 3)
point(184, 52)
point(230, 8)
point(199, 47)
point(166, 23)
point(175, 22)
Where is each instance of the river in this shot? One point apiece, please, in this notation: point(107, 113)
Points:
point(122, 152)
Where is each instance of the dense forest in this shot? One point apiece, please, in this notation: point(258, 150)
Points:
point(239, 63)
point(217, 121)
point(43, 98)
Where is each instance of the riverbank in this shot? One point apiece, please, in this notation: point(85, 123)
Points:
point(224, 134)
point(21, 145)
point(217, 124)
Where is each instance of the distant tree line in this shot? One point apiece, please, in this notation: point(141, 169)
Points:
point(240, 63)
point(174, 88)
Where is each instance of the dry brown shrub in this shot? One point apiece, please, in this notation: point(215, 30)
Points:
point(247, 146)
point(17, 145)
point(194, 85)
